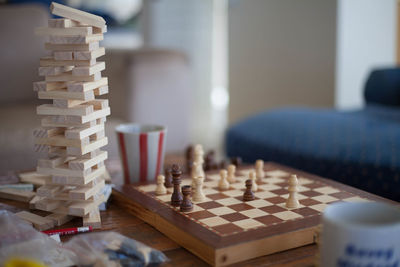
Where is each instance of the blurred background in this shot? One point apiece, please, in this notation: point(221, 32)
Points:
point(201, 67)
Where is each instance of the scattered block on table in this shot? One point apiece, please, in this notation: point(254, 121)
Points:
point(99, 66)
point(34, 178)
point(93, 219)
point(39, 222)
point(64, 31)
point(72, 47)
point(75, 39)
point(62, 23)
point(22, 187)
point(59, 219)
point(78, 15)
point(88, 55)
point(15, 194)
point(51, 61)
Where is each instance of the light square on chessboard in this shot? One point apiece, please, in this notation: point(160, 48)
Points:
point(234, 193)
point(221, 211)
point(259, 203)
point(228, 201)
point(240, 185)
point(248, 224)
point(148, 188)
point(264, 194)
point(269, 187)
point(275, 180)
point(303, 181)
point(213, 176)
point(319, 207)
point(254, 213)
point(209, 191)
point(287, 215)
point(164, 198)
point(206, 199)
point(211, 184)
point(283, 205)
point(325, 198)
point(277, 173)
point(327, 190)
point(196, 208)
point(299, 196)
point(214, 221)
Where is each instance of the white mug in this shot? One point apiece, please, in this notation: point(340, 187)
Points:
point(360, 234)
point(142, 149)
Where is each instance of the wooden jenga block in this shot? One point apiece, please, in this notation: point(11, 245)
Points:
point(87, 86)
point(78, 208)
point(87, 191)
point(62, 23)
point(15, 194)
point(59, 219)
point(79, 133)
point(34, 178)
point(73, 180)
point(75, 39)
point(47, 132)
point(51, 61)
point(88, 55)
point(60, 140)
point(67, 103)
point(79, 151)
point(64, 31)
point(63, 55)
point(86, 163)
point(67, 121)
point(64, 170)
point(49, 109)
point(68, 77)
point(48, 204)
point(48, 86)
point(99, 66)
point(78, 15)
point(32, 202)
point(43, 71)
point(48, 190)
point(72, 47)
point(64, 94)
point(98, 104)
point(51, 162)
point(101, 90)
point(39, 222)
point(92, 219)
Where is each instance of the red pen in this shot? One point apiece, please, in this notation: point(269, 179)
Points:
point(69, 231)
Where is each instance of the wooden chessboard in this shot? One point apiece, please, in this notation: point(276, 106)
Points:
point(223, 229)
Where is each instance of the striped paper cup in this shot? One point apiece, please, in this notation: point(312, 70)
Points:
point(142, 150)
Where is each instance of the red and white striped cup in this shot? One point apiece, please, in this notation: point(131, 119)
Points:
point(142, 149)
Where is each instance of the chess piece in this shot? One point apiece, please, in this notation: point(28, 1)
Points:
point(176, 198)
point(210, 161)
point(197, 168)
point(231, 174)
point(161, 189)
point(252, 176)
point(248, 194)
point(198, 195)
point(186, 204)
point(260, 170)
point(223, 182)
point(189, 156)
point(223, 164)
point(292, 202)
point(237, 161)
point(168, 178)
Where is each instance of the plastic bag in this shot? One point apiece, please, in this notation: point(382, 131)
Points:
point(112, 249)
point(19, 240)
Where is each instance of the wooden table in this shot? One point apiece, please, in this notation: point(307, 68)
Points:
point(116, 219)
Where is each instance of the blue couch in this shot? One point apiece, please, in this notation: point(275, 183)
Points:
point(360, 148)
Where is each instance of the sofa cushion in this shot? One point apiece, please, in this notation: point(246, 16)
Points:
point(360, 148)
point(383, 87)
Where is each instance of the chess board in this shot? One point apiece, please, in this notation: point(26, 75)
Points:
point(223, 229)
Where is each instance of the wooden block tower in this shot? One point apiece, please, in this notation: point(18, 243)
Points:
point(72, 129)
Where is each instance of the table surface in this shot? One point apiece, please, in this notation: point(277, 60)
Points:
point(117, 219)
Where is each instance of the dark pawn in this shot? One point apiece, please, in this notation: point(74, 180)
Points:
point(248, 194)
point(186, 205)
point(189, 157)
point(176, 198)
point(237, 161)
point(168, 178)
point(209, 161)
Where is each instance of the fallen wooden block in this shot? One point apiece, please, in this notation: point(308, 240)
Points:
point(39, 222)
point(59, 219)
point(48, 204)
point(75, 39)
point(78, 15)
point(22, 187)
point(15, 194)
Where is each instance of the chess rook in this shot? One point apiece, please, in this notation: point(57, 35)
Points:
point(176, 198)
point(73, 130)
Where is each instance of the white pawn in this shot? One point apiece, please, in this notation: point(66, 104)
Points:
point(161, 189)
point(252, 176)
point(223, 183)
point(198, 195)
point(260, 170)
point(231, 174)
point(292, 202)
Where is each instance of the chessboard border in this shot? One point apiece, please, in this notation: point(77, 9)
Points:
point(214, 248)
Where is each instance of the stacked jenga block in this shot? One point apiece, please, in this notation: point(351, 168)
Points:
point(72, 129)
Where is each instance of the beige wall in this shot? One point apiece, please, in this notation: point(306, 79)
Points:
point(281, 53)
